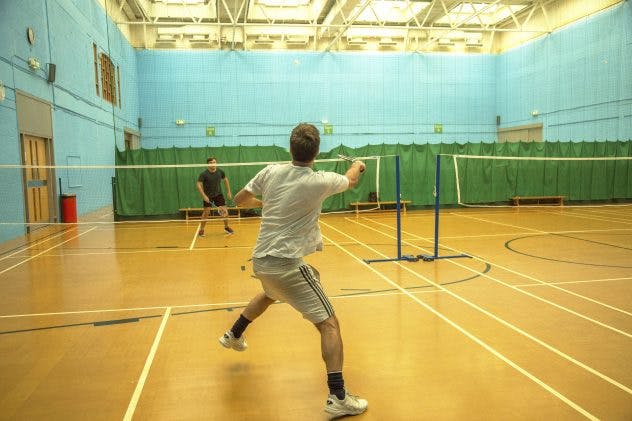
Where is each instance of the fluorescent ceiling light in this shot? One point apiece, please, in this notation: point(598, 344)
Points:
point(389, 11)
point(181, 1)
point(283, 3)
point(491, 16)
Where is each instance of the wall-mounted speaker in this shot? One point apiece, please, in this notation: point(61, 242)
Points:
point(140, 122)
point(52, 68)
point(498, 120)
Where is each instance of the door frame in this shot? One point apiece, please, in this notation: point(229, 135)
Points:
point(35, 119)
point(53, 208)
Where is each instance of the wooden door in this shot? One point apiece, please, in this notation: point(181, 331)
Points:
point(37, 180)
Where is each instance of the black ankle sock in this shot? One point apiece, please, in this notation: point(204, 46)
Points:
point(336, 384)
point(240, 325)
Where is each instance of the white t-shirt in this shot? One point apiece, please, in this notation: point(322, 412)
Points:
point(292, 198)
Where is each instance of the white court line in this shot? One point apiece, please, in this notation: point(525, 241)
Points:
point(545, 283)
point(156, 250)
point(195, 235)
point(498, 319)
point(566, 210)
point(458, 327)
point(114, 310)
point(173, 307)
point(42, 252)
point(35, 243)
point(453, 237)
point(608, 213)
point(575, 215)
point(586, 281)
point(143, 375)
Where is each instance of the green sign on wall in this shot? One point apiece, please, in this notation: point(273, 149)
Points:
point(328, 129)
point(438, 128)
point(210, 131)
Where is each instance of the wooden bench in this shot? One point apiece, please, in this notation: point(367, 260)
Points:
point(196, 213)
point(379, 204)
point(537, 200)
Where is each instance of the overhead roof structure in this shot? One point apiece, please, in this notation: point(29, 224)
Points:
point(344, 25)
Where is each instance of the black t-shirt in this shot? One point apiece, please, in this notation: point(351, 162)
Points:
point(210, 182)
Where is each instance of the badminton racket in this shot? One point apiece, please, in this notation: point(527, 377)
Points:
point(348, 158)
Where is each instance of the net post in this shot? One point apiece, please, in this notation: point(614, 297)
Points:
point(409, 258)
point(398, 209)
point(437, 195)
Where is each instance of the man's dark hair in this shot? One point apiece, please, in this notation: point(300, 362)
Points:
point(210, 158)
point(304, 142)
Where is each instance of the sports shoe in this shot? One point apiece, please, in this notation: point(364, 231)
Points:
point(350, 405)
point(228, 340)
point(201, 233)
point(228, 230)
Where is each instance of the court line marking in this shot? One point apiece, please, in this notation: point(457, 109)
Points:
point(153, 250)
point(42, 252)
point(608, 212)
point(566, 210)
point(471, 336)
point(500, 320)
point(195, 235)
point(544, 283)
point(585, 281)
point(66, 313)
point(614, 214)
point(35, 243)
point(143, 375)
point(231, 304)
point(576, 215)
point(528, 233)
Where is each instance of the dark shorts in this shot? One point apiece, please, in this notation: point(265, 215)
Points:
point(216, 200)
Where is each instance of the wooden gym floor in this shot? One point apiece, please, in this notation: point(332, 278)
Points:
point(110, 322)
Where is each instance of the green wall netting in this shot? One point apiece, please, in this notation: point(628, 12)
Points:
point(163, 191)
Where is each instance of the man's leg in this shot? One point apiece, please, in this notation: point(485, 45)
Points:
point(331, 344)
point(233, 338)
point(339, 401)
point(224, 214)
point(206, 212)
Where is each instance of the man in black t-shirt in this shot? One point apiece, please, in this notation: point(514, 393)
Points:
point(208, 185)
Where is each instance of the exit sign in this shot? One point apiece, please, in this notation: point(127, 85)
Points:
point(210, 131)
point(328, 129)
point(438, 128)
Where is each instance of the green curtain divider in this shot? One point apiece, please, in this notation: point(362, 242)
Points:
point(164, 191)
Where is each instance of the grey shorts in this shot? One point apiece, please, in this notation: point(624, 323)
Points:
point(296, 283)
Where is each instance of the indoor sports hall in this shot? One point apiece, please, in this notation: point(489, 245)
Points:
point(481, 268)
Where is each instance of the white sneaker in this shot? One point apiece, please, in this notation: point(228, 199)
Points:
point(228, 340)
point(350, 405)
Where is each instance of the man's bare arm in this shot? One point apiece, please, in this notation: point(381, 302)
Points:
point(353, 173)
point(246, 199)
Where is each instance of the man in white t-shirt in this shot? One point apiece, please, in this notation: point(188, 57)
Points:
point(291, 201)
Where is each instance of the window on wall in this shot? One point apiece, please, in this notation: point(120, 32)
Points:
point(108, 79)
point(118, 84)
point(96, 67)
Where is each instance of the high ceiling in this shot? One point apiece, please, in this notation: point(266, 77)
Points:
point(343, 25)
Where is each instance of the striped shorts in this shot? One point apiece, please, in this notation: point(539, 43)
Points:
point(296, 283)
